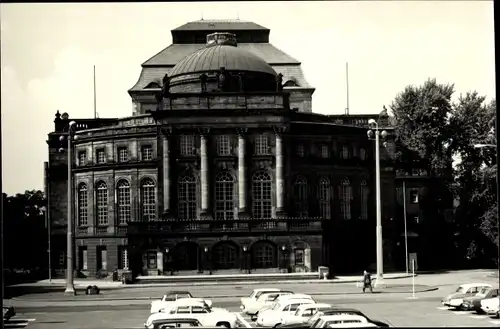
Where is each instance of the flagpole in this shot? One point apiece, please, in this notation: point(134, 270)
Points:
point(95, 99)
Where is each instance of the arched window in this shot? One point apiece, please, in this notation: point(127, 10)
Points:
point(264, 255)
point(187, 196)
point(325, 198)
point(261, 195)
point(300, 196)
point(364, 193)
point(224, 198)
point(226, 256)
point(344, 152)
point(345, 198)
point(124, 202)
point(102, 203)
point(148, 199)
point(83, 217)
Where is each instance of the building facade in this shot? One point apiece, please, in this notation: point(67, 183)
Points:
point(221, 167)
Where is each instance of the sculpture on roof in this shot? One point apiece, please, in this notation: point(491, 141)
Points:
point(203, 79)
point(240, 82)
point(166, 85)
point(279, 82)
point(222, 78)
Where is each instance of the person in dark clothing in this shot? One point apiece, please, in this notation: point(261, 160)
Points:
point(367, 281)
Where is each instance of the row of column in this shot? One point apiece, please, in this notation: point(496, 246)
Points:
point(242, 186)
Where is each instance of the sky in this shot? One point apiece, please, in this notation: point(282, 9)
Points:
point(48, 52)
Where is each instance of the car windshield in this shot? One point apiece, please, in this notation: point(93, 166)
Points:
point(483, 291)
point(460, 289)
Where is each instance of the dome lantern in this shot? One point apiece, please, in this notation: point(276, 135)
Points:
point(221, 38)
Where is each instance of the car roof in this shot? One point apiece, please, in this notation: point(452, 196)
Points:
point(343, 317)
point(340, 310)
point(175, 319)
point(189, 302)
point(316, 305)
point(177, 292)
point(295, 296)
point(294, 301)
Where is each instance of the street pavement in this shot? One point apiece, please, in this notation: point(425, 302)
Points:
point(129, 308)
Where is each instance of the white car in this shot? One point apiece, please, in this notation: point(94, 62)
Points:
point(278, 300)
point(256, 293)
point(272, 317)
point(343, 321)
point(172, 296)
point(490, 305)
point(194, 308)
point(304, 312)
point(465, 290)
point(252, 306)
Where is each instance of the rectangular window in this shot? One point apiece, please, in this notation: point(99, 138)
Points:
point(122, 154)
point(147, 153)
point(261, 145)
point(82, 158)
point(414, 196)
point(101, 156)
point(83, 258)
point(300, 150)
point(62, 258)
point(223, 145)
point(299, 256)
point(187, 145)
point(123, 258)
point(325, 152)
point(345, 152)
point(102, 258)
point(151, 259)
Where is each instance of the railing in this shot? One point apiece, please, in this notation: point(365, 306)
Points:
point(241, 225)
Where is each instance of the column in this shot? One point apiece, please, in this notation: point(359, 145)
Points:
point(279, 172)
point(204, 172)
point(159, 262)
point(166, 175)
point(241, 172)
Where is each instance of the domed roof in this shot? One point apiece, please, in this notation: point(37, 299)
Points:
point(215, 56)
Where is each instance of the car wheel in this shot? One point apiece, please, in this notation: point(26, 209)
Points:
point(224, 325)
point(277, 325)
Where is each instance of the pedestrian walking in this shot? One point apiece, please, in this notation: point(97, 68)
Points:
point(367, 281)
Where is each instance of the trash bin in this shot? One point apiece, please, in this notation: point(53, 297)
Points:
point(114, 276)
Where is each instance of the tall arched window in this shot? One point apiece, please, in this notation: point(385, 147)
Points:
point(83, 217)
point(148, 199)
point(300, 196)
point(325, 198)
point(102, 203)
point(364, 193)
point(187, 196)
point(345, 198)
point(124, 202)
point(261, 195)
point(224, 198)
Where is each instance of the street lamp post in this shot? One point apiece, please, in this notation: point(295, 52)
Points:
point(378, 132)
point(70, 288)
point(498, 195)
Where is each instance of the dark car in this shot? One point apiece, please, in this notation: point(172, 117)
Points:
point(333, 311)
point(474, 302)
point(8, 312)
point(176, 323)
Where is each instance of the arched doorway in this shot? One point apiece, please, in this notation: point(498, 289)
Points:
point(185, 256)
point(225, 255)
point(264, 255)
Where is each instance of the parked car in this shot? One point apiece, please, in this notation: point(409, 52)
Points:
point(455, 299)
point(304, 312)
point(198, 309)
point(252, 306)
point(474, 302)
point(272, 317)
point(343, 321)
point(172, 296)
point(176, 322)
point(8, 312)
point(278, 300)
point(490, 306)
point(343, 311)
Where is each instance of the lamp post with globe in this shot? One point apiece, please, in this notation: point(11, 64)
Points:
point(375, 133)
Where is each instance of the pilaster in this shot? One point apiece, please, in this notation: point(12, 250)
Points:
point(280, 182)
point(167, 186)
point(204, 172)
point(242, 197)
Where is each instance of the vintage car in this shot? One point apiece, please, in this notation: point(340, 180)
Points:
point(455, 299)
point(272, 317)
point(280, 299)
point(474, 302)
point(194, 308)
point(343, 311)
point(178, 321)
point(490, 306)
point(304, 312)
point(252, 306)
point(256, 293)
point(343, 321)
point(170, 297)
